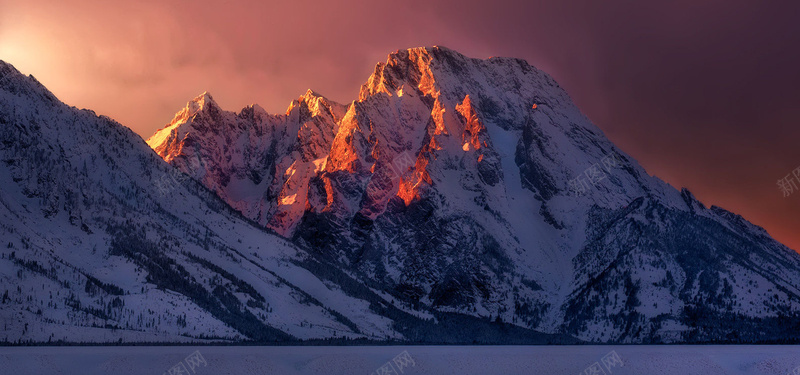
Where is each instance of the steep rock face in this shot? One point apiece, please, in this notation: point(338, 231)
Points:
point(477, 186)
point(259, 163)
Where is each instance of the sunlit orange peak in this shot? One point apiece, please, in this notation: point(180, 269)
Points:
point(406, 192)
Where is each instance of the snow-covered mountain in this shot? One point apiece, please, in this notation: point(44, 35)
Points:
point(456, 200)
point(102, 241)
point(477, 187)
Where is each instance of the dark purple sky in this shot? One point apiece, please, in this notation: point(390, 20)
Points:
point(704, 94)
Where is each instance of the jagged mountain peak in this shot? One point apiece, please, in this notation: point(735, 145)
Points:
point(164, 140)
point(201, 103)
point(313, 104)
point(463, 184)
point(435, 70)
point(403, 67)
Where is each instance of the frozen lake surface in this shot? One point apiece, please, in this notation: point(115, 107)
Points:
point(484, 360)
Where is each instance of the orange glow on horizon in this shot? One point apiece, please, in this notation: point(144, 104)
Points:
point(671, 105)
